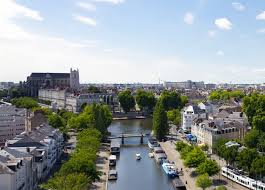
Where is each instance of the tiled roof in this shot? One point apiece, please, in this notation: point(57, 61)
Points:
point(52, 75)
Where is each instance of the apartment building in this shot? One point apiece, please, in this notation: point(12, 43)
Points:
point(190, 113)
point(12, 122)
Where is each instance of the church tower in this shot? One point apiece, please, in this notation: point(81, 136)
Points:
point(74, 79)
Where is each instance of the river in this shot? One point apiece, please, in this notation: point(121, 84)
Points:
point(137, 175)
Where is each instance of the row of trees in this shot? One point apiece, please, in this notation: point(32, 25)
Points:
point(80, 170)
point(226, 95)
point(194, 157)
point(147, 101)
point(25, 102)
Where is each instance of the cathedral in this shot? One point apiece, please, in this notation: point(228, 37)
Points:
point(38, 81)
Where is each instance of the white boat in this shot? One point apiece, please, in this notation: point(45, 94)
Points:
point(138, 156)
point(112, 160)
point(169, 169)
point(151, 155)
point(152, 142)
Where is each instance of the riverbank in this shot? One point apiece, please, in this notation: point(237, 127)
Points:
point(102, 165)
point(128, 118)
point(188, 173)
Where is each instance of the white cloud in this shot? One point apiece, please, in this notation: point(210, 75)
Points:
point(189, 18)
point(261, 16)
point(223, 24)
point(261, 31)
point(238, 6)
point(85, 20)
point(220, 53)
point(110, 1)
point(86, 6)
point(212, 33)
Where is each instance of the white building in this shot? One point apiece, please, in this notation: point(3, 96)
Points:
point(12, 122)
point(190, 113)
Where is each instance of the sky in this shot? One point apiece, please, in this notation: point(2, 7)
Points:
point(126, 41)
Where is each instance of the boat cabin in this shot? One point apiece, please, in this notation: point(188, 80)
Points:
point(113, 175)
point(115, 147)
point(178, 185)
point(112, 160)
point(158, 150)
point(160, 157)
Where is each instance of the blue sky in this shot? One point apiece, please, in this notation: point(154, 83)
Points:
point(134, 40)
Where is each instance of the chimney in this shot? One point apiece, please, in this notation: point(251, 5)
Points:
point(28, 149)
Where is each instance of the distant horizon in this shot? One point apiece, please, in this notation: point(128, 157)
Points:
point(113, 41)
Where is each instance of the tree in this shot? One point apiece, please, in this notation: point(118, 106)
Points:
point(261, 143)
point(194, 158)
point(56, 121)
point(145, 100)
point(203, 181)
point(258, 167)
point(230, 154)
point(252, 138)
point(160, 124)
point(171, 100)
point(219, 147)
point(25, 102)
point(126, 100)
point(208, 166)
point(245, 158)
point(180, 146)
point(184, 101)
point(259, 123)
point(174, 116)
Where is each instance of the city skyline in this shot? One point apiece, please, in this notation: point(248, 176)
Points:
point(126, 41)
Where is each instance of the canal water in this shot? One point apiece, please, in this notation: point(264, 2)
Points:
point(132, 174)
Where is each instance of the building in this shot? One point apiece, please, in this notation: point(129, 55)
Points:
point(225, 125)
point(6, 85)
point(38, 81)
point(185, 85)
point(17, 170)
point(189, 114)
point(12, 122)
point(61, 99)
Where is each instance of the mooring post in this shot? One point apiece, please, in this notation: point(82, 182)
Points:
point(142, 139)
point(122, 139)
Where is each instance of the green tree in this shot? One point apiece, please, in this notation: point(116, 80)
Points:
point(126, 100)
point(194, 158)
point(180, 146)
point(56, 121)
point(184, 100)
point(171, 100)
point(203, 181)
point(230, 154)
point(208, 166)
point(25, 102)
point(245, 158)
point(219, 147)
point(259, 123)
point(258, 168)
point(72, 181)
point(261, 143)
point(252, 138)
point(174, 116)
point(145, 100)
point(160, 124)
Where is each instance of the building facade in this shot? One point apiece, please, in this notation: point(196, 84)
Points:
point(189, 114)
point(38, 81)
point(12, 122)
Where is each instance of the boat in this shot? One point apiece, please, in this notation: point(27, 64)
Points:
point(160, 157)
point(112, 160)
point(152, 142)
point(158, 150)
point(178, 184)
point(113, 175)
point(151, 155)
point(115, 147)
point(138, 156)
point(170, 169)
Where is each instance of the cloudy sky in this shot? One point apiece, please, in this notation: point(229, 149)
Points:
point(134, 40)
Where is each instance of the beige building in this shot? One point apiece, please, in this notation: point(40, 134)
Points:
point(208, 131)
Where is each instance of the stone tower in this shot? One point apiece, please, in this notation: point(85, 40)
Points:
point(74, 79)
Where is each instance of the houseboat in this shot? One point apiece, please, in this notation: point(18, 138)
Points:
point(115, 147)
point(152, 142)
point(170, 169)
point(178, 185)
point(113, 175)
point(112, 160)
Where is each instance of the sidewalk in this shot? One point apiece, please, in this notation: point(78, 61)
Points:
point(102, 166)
point(173, 155)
